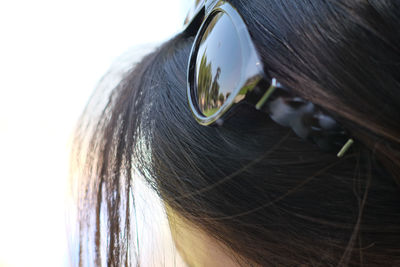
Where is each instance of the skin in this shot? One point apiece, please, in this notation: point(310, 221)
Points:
point(196, 248)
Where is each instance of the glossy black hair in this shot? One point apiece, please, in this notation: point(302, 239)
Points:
point(270, 197)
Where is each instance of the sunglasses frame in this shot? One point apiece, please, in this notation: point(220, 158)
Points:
point(251, 69)
point(256, 88)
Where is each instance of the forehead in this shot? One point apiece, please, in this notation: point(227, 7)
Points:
point(195, 246)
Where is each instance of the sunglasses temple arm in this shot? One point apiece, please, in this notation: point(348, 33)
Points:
point(345, 148)
point(267, 94)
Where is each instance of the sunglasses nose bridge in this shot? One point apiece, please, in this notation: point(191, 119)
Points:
point(194, 17)
point(193, 10)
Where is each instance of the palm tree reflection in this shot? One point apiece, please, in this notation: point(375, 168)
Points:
point(209, 96)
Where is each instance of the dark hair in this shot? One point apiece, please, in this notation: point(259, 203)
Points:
point(269, 196)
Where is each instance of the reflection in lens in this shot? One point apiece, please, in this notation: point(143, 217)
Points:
point(218, 64)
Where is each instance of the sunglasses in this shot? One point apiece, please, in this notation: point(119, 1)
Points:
point(225, 71)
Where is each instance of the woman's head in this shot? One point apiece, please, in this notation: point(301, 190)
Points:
point(266, 195)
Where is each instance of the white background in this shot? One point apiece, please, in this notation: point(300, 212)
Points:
point(52, 53)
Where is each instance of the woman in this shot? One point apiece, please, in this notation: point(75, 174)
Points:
point(286, 154)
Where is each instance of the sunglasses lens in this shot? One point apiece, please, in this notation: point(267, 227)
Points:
point(218, 64)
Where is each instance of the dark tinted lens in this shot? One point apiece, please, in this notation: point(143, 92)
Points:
point(218, 64)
